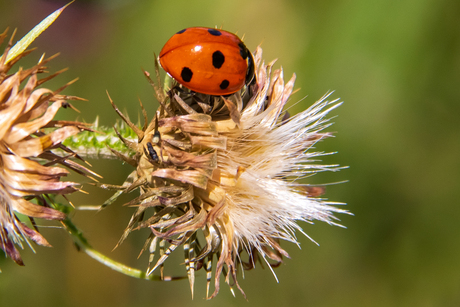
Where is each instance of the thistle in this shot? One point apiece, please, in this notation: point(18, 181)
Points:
point(219, 176)
point(29, 175)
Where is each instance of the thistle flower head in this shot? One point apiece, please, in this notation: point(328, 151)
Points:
point(28, 133)
point(219, 176)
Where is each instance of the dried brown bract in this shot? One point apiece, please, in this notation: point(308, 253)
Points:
point(29, 171)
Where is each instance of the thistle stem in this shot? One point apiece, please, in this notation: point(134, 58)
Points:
point(83, 245)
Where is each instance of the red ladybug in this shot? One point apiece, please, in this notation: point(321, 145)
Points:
point(208, 61)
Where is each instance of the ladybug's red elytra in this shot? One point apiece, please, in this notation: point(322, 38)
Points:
point(208, 61)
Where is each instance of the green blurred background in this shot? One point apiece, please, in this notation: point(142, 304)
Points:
point(395, 64)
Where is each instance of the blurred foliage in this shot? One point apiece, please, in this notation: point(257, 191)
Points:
point(396, 64)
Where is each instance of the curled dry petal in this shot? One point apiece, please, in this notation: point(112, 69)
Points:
point(19, 164)
point(34, 147)
point(22, 130)
point(34, 236)
point(27, 208)
point(195, 178)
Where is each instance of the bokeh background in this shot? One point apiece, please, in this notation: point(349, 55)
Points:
point(395, 64)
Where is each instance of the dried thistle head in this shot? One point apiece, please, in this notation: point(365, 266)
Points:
point(28, 172)
point(219, 176)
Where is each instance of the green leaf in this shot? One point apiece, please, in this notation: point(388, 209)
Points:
point(20, 46)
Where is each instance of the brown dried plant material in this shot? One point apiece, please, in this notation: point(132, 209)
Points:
point(219, 176)
point(28, 166)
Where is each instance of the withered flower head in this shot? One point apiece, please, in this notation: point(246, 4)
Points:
point(219, 176)
point(28, 175)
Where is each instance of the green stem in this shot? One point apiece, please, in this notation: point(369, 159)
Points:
point(83, 244)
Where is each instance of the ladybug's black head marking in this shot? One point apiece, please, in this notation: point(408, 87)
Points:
point(224, 84)
point(181, 31)
point(214, 32)
point(186, 74)
point(243, 51)
point(218, 59)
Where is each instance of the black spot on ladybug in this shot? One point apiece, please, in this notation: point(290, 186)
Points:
point(243, 50)
point(218, 59)
point(181, 31)
point(186, 74)
point(224, 84)
point(214, 32)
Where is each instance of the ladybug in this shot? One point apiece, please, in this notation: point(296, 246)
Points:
point(208, 61)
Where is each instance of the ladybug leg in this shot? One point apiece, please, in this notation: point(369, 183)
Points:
point(177, 88)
